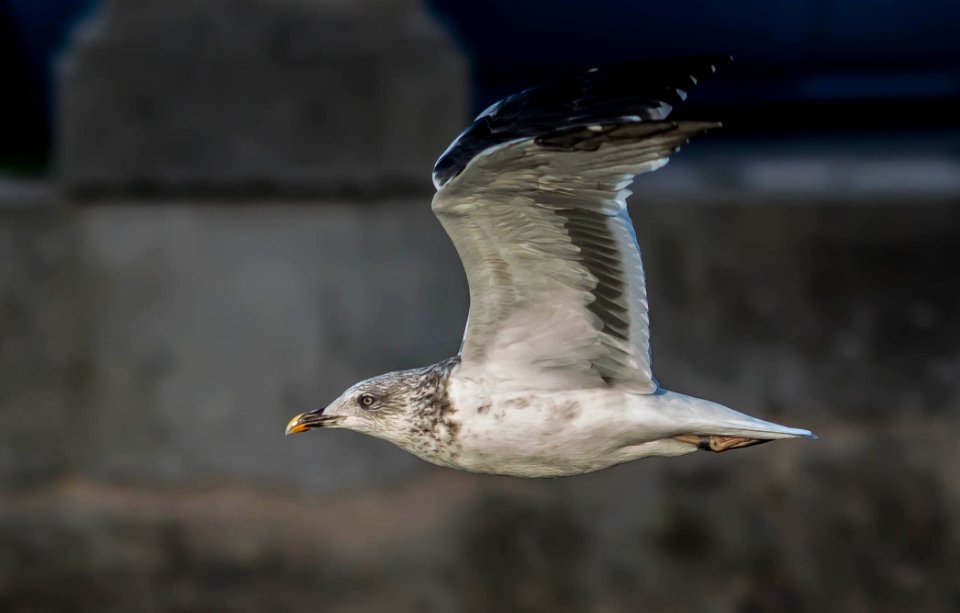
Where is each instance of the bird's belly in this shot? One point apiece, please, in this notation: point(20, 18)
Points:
point(543, 434)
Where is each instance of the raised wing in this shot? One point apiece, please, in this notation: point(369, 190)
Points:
point(643, 91)
point(557, 291)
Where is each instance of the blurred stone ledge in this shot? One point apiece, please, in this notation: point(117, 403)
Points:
point(150, 357)
point(704, 178)
point(175, 338)
point(25, 194)
point(716, 172)
point(261, 97)
point(670, 534)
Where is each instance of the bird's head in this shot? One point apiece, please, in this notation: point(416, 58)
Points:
point(378, 406)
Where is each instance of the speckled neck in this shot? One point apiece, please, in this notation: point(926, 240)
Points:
point(433, 432)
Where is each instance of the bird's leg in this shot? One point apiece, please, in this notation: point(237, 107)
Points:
point(718, 443)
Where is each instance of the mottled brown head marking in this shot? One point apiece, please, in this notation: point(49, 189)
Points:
point(432, 422)
point(410, 408)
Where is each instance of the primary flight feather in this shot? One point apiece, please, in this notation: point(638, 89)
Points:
point(554, 375)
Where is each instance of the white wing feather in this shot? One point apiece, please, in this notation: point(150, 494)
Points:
point(557, 290)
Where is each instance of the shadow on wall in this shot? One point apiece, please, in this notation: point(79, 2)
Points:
point(33, 34)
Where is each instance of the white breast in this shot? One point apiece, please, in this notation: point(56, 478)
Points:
point(535, 434)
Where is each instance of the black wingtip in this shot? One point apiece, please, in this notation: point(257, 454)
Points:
point(636, 91)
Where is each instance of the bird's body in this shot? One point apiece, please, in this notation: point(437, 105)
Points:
point(554, 376)
point(573, 432)
point(463, 423)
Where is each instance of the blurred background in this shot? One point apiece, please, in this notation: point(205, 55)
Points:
point(214, 215)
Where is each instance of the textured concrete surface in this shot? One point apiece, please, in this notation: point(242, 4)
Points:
point(289, 96)
point(189, 335)
point(152, 353)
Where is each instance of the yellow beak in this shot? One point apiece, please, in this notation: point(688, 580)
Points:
point(296, 426)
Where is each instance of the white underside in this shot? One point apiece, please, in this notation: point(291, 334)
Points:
point(557, 433)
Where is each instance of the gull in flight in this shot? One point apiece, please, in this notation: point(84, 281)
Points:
point(554, 374)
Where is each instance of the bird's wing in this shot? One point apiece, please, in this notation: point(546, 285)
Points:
point(538, 215)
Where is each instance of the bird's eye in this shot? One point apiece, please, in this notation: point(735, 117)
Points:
point(366, 400)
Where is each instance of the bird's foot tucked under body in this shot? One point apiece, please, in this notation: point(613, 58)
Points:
point(717, 443)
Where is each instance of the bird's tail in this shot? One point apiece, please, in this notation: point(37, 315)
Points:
point(714, 427)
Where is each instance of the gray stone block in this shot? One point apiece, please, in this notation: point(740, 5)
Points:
point(170, 344)
point(215, 326)
point(44, 363)
point(843, 520)
point(235, 96)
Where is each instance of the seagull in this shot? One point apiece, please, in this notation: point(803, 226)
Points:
point(554, 375)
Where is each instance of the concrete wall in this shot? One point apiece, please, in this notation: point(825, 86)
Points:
point(152, 353)
point(152, 350)
point(278, 96)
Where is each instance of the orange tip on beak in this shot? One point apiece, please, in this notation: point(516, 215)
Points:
point(294, 426)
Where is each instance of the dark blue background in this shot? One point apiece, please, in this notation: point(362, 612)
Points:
point(801, 65)
point(793, 49)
